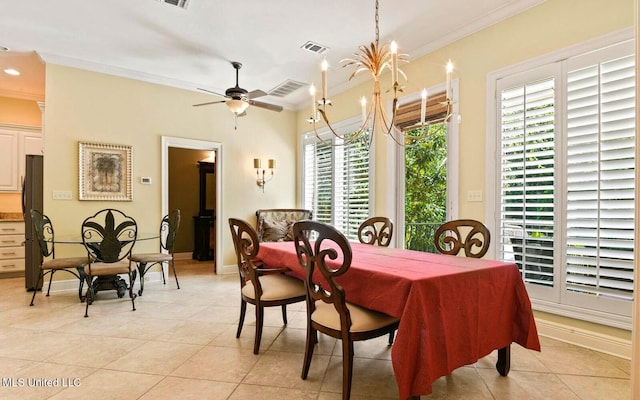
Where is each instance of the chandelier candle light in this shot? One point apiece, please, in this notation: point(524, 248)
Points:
point(376, 59)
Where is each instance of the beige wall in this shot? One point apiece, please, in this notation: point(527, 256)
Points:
point(551, 26)
point(20, 112)
point(93, 107)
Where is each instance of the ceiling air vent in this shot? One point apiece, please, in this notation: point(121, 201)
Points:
point(178, 3)
point(285, 88)
point(315, 47)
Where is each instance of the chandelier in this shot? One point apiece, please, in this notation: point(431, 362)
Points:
point(376, 59)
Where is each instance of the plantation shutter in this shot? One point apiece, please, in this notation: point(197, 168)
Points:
point(352, 187)
point(408, 114)
point(527, 169)
point(336, 181)
point(600, 174)
point(318, 176)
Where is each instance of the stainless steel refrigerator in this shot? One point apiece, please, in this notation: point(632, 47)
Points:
point(32, 194)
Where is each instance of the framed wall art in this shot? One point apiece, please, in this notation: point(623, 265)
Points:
point(105, 172)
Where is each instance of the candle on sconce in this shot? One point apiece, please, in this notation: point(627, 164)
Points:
point(363, 103)
point(423, 106)
point(257, 163)
point(272, 163)
point(312, 92)
point(394, 63)
point(449, 71)
point(324, 68)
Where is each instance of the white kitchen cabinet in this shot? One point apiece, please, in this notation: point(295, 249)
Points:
point(14, 145)
point(11, 246)
point(9, 173)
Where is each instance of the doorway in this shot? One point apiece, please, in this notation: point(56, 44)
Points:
point(208, 148)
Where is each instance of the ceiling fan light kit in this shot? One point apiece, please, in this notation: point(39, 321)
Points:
point(237, 106)
point(240, 99)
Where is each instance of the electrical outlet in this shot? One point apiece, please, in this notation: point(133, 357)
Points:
point(62, 195)
point(147, 278)
point(474, 195)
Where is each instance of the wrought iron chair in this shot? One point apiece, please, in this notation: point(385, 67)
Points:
point(262, 287)
point(468, 234)
point(376, 231)
point(327, 310)
point(49, 264)
point(109, 236)
point(144, 261)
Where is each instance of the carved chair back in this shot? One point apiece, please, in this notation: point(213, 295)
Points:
point(468, 234)
point(109, 235)
point(376, 230)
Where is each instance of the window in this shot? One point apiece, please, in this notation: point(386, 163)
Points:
point(336, 179)
point(425, 171)
point(566, 181)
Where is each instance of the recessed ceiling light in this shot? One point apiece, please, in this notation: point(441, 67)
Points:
point(11, 71)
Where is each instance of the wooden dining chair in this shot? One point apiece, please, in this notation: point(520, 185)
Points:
point(144, 261)
point(325, 260)
point(49, 264)
point(260, 285)
point(376, 231)
point(468, 234)
point(109, 236)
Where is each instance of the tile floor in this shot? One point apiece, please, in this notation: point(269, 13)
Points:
point(180, 344)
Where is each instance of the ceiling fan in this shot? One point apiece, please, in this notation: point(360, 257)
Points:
point(240, 99)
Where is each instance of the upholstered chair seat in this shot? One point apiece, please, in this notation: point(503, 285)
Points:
point(275, 287)
point(362, 319)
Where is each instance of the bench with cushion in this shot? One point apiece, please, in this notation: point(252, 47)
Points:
point(275, 224)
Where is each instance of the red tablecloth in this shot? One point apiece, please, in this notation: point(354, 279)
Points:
point(453, 310)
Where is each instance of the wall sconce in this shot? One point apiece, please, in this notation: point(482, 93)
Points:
point(261, 178)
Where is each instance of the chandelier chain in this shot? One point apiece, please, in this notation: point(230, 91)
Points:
point(377, 21)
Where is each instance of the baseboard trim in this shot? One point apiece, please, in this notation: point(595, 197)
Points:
point(591, 340)
point(227, 269)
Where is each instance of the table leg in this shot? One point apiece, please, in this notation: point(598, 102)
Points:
point(504, 360)
point(83, 278)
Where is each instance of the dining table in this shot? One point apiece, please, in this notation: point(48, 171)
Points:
point(111, 282)
point(453, 310)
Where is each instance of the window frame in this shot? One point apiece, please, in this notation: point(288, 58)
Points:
point(342, 127)
point(558, 304)
point(453, 163)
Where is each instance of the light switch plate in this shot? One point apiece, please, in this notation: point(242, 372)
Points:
point(474, 195)
point(145, 180)
point(62, 195)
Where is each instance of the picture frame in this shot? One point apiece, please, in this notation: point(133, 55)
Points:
point(105, 172)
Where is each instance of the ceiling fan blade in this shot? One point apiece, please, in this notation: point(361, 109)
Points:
point(267, 106)
point(209, 91)
point(210, 102)
point(254, 94)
